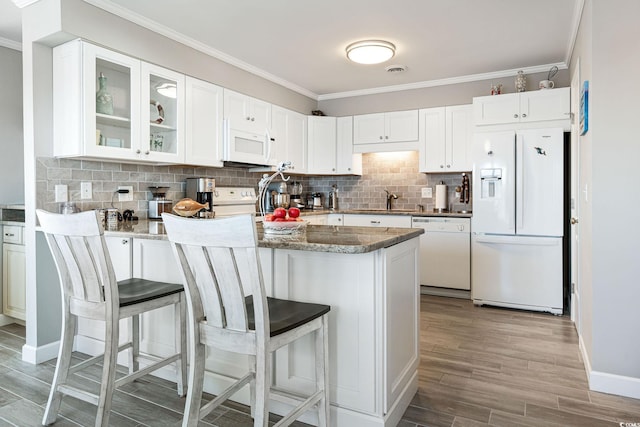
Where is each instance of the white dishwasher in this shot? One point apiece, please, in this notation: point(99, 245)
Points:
point(445, 252)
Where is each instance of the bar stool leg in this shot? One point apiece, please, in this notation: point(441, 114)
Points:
point(322, 371)
point(62, 367)
point(181, 344)
point(196, 382)
point(262, 383)
point(134, 352)
point(108, 371)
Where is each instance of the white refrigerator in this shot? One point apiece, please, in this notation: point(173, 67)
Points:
point(517, 224)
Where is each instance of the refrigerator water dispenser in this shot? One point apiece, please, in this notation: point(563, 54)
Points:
point(491, 182)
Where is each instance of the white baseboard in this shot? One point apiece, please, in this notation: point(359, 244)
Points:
point(614, 384)
point(609, 383)
point(36, 355)
point(445, 292)
point(7, 320)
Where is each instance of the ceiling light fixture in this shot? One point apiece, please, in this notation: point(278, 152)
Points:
point(370, 51)
point(167, 89)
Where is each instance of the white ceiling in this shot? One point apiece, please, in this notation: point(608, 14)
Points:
point(300, 44)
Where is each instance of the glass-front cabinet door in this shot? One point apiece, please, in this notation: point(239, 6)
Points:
point(163, 114)
point(111, 103)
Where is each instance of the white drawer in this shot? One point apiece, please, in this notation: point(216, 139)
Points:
point(12, 234)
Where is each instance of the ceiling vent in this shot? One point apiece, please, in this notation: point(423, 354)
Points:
point(396, 69)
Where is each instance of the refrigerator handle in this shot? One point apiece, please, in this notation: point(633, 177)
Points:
point(519, 182)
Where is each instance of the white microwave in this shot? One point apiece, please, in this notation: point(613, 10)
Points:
point(248, 147)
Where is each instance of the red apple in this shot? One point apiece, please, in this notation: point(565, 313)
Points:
point(294, 212)
point(268, 217)
point(279, 213)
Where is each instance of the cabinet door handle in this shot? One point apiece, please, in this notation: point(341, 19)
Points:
point(137, 151)
point(125, 241)
point(375, 222)
point(253, 119)
point(9, 234)
point(515, 116)
point(333, 169)
point(524, 115)
point(146, 152)
point(448, 166)
point(381, 137)
point(386, 137)
point(441, 166)
point(248, 118)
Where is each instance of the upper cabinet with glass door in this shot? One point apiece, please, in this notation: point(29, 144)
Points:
point(106, 105)
point(163, 119)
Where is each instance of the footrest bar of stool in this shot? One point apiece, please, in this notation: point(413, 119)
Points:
point(303, 407)
point(95, 359)
point(210, 406)
point(79, 394)
point(144, 371)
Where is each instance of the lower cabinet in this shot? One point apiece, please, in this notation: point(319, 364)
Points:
point(373, 325)
point(403, 221)
point(13, 281)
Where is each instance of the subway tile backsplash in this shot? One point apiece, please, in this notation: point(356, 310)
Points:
point(395, 172)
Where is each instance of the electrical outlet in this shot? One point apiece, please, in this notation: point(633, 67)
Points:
point(62, 195)
point(86, 190)
point(125, 197)
point(427, 192)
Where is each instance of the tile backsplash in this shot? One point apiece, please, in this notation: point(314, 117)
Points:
point(395, 172)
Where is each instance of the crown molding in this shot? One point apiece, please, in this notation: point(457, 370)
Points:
point(188, 41)
point(442, 82)
point(23, 3)
point(575, 27)
point(10, 44)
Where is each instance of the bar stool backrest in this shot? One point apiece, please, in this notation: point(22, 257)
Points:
point(81, 256)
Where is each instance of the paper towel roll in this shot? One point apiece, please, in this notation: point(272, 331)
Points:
point(441, 197)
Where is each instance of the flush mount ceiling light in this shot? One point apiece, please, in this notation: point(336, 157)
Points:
point(370, 51)
point(167, 89)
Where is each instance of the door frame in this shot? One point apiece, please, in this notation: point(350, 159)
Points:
point(575, 199)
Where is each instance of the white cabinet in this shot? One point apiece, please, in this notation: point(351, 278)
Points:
point(245, 113)
point(13, 273)
point(120, 254)
point(366, 220)
point(139, 123)
point(330, 147)
point(446, 135)
point(289, 130)
point(335, 219)
point(247, 130)
point(373, 327)
point(316, 219)
point(347, 162)
point(322, 145)
point(203, 127)
point(523, 107)
point(392, 131)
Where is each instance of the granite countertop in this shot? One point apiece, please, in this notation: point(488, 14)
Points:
point(318, 238)
point(386, 212)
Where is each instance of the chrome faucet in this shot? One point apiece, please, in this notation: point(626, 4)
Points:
point(390, 196)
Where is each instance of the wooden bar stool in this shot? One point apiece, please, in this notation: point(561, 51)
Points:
point(90, 290)
point(217, 258)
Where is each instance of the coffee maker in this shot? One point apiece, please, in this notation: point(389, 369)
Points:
point(201, 190)
point(296, 195)
point(159, 204)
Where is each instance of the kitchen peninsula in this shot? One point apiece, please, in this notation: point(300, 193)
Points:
point(369, 276)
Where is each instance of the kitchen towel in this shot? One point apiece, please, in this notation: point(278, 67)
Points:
point(441, 197)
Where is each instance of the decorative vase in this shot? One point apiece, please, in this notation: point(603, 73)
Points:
point(521, 82)
point(104, 100)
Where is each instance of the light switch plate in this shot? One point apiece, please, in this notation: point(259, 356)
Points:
point(427, 192)
point(61, 193)
point(86, 190)
point(125, 197)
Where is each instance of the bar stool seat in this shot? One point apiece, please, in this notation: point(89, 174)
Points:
point(219, 260)
point(90, 290)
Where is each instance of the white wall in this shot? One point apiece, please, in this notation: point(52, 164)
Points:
point(11, 136)
point(609, 241)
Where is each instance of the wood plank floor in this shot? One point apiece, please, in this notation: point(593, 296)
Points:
point(479, 366)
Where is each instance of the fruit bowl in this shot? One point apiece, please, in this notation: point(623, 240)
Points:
point(284, 228)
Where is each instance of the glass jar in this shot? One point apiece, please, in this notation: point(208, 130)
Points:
point(104, 100)
point(521, 82)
